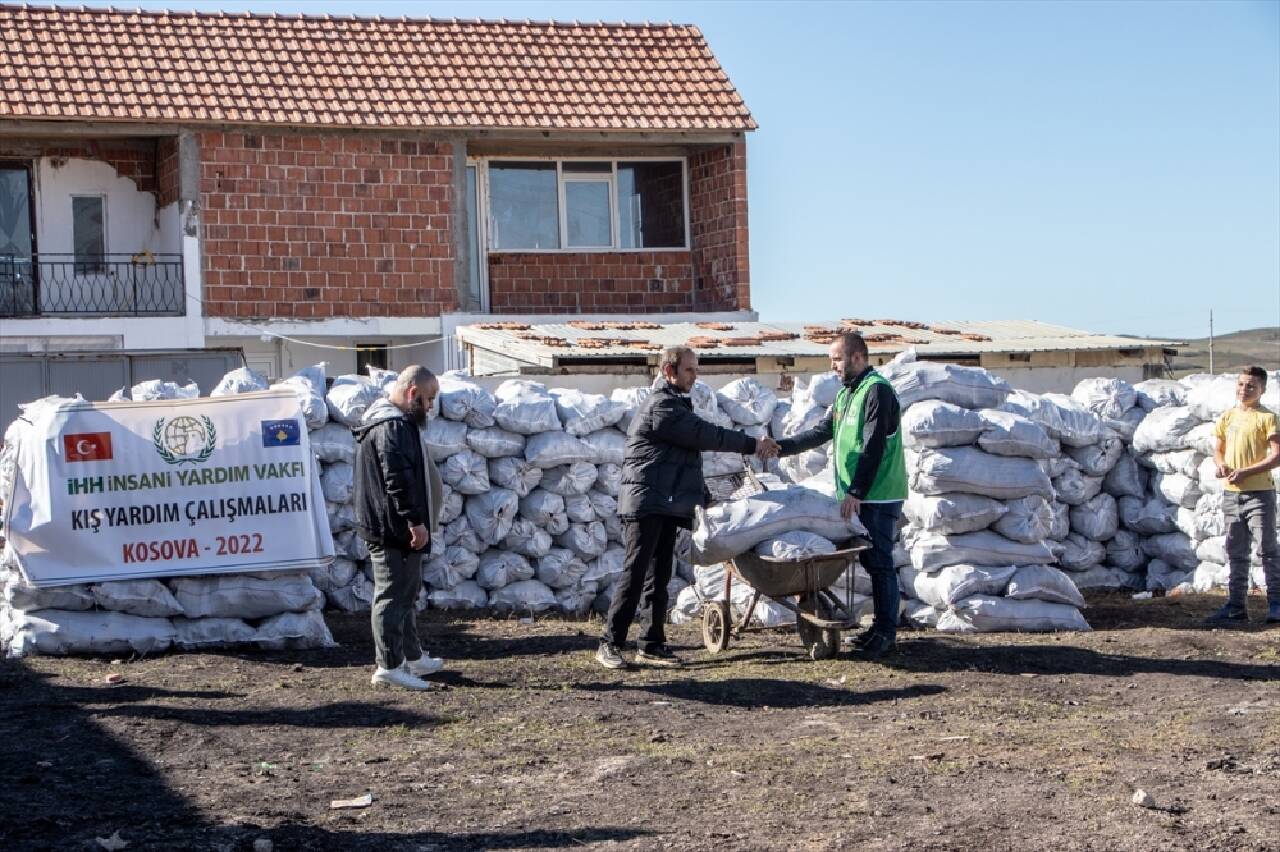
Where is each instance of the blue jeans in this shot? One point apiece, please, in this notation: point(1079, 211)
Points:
point(881, 521)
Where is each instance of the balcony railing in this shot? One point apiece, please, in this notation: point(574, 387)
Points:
point(65, 285)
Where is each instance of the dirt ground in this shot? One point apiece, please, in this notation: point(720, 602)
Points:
point(991, 742)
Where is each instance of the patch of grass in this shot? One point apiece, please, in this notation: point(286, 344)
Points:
point(666, 750)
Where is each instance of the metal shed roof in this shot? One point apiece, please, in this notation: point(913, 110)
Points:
point(552, 344)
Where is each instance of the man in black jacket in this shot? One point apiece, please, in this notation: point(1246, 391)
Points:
point(397, 500)
point(661, 486)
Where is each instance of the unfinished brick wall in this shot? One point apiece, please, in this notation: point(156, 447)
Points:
point(131, 158)
point(718, 224)
point(325, 225)
point(166, 171)
point(590, 282)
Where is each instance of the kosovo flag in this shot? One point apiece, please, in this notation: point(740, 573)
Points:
point(280, 433)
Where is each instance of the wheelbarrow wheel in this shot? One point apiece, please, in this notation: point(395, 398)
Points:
point(715, 626)
point(822, 643)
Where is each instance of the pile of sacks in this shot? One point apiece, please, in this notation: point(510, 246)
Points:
point(273, 610)
point(531, 475)
point(984, 525)
point(530, 518)
point(1179, 516)
point(1091, 472)
point(1017, 501)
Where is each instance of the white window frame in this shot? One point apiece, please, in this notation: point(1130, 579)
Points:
point(75, 263)
point(610, 180)
point(482, 228)
point(482, 175)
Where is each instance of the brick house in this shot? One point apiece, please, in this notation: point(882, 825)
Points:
point(188, 180)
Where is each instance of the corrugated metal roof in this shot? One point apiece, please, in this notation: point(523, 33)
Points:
point(551, 343)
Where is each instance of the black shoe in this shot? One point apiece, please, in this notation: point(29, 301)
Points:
point(1273, 613)
point(877, 647)
point(1229, 614)
point(610, 657)
point(658, 655)
point(860, 641)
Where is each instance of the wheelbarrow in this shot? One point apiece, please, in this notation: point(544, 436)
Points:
point(820, 613)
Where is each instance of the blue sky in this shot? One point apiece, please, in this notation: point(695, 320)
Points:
point(1113, 166)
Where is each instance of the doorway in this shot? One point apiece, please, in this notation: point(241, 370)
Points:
point(18, 279)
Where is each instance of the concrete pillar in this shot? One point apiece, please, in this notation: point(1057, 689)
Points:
point(192, 236)
point(461, 227)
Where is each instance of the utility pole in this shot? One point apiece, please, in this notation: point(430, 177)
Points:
point(1211, 341)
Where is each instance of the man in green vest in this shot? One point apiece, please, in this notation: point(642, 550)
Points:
point(870, 473)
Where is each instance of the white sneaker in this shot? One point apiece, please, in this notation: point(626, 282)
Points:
point(400, 678)
point(424, 665)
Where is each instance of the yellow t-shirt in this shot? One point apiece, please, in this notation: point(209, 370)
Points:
point(1246, 432)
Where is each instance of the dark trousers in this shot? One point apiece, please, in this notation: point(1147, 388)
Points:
point(650, 542)
point(397, 578)
point(881, 521)
point(1251, 522)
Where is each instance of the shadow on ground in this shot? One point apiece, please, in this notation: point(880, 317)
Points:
point(301, 837)
point(67, 781)
point(935, 654)
point(750, 692)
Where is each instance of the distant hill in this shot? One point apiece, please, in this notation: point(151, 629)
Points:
point(1259, 346)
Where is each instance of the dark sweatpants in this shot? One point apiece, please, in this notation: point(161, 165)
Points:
point(650, 542)
point(397, 578)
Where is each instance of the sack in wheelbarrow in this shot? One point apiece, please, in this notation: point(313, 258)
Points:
point(734, 527)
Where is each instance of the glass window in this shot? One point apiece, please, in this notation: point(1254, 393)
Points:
point(524, 206)
point(587, 217)
point(88, 234)
point(651, 204)
point(579, 167)
point(586, 204)
point(15, 212)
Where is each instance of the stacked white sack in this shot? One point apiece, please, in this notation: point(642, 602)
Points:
point(982, 504)
point(806, 407)
point(1180, 515)
point(1093, 426)
point(273, 610)
point(530, 519)
point(982, 520)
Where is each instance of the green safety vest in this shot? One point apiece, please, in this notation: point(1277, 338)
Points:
point(890, 481)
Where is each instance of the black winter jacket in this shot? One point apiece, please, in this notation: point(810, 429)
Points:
point(662, 473)
point(390, 481)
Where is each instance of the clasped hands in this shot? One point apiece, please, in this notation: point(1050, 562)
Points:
point(766, 448)
point(1233, 477)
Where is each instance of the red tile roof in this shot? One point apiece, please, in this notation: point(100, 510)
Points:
point(113, 65)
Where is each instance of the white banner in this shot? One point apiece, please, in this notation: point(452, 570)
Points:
point(109, 491)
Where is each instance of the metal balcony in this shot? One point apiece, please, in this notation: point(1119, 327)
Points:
point(107, 285)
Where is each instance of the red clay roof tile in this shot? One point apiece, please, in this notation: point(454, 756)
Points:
point(356, 72)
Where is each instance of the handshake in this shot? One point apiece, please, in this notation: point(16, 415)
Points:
point(766, 448)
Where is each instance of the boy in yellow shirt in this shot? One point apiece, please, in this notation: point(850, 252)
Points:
point(1248, 448)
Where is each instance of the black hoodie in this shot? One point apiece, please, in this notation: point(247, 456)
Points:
point(390, 478)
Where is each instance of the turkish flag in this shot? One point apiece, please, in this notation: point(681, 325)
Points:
point(87, 446)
